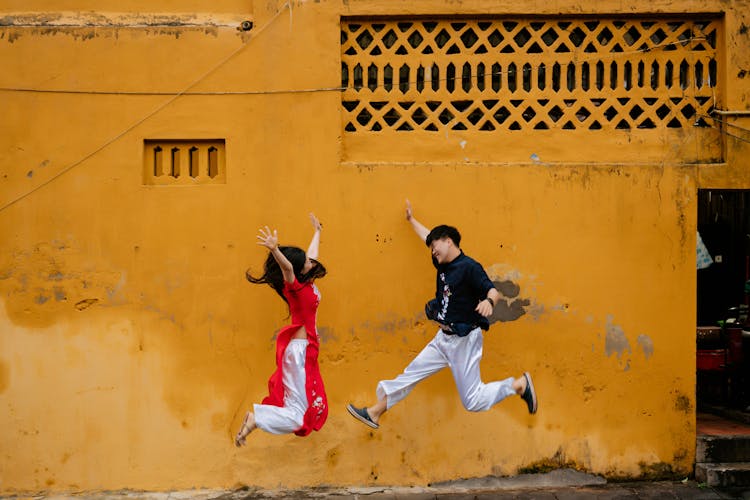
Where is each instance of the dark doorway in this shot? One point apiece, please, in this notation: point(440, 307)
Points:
point(723, 333)
point(724, 227)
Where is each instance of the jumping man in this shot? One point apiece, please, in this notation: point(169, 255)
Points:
point(464, 299)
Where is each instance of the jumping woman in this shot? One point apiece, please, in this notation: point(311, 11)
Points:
point(296, 401)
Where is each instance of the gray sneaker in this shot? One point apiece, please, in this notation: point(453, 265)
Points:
point(529, 395)
point(362, 415)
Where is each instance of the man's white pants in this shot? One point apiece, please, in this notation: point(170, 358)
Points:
point(288, 418)
point(462, 355)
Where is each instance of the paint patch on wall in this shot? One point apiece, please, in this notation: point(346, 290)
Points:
point(512, 306)
point(615, 340)
point(647, 345)
point(536, 311)
point(390, 323)
point(326, 334)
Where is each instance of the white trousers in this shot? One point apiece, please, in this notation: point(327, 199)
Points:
point(288, 418)
point(462, 355)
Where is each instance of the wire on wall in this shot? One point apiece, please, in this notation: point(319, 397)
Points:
point(603, 57)
point(187, 92)
point(147, 116)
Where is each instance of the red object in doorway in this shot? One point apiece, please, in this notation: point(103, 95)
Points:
point(734, 341)
point(711, 359)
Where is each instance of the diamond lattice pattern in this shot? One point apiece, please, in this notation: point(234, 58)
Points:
point(486, 75)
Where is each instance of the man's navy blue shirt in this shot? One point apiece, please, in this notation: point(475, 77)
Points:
point(461, 284)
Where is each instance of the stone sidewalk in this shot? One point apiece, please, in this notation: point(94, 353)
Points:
point(564, 484)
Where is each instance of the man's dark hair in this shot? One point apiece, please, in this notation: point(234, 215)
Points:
point(443, 231)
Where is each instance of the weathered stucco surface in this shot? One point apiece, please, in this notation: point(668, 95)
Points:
point(131, 345)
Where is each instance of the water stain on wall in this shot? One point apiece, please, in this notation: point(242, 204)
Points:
point(683, 403)
point(615, 340)
point(86, 34)
point(46, 282)
point(547, 464)
point(332, 456)
point(4, 376)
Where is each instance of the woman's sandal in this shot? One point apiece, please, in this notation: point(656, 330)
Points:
point(239, 440)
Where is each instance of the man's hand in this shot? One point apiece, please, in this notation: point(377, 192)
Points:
point(487, 305)
point(421, 231)
point(485, 308)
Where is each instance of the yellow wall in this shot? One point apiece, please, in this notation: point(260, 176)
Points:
point(131, 344)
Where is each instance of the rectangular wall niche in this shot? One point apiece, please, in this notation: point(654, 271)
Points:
point(184, 162)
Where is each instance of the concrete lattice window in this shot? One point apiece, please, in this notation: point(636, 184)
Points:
point(184, 162)
point(527, 74)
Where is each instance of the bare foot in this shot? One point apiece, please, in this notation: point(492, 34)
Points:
point(248, 426)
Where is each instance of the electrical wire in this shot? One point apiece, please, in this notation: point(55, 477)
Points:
point(146, 117)
point(599, 58)
point(157, 93)
point(186, 92)
point(724, 122)
point(724, 132)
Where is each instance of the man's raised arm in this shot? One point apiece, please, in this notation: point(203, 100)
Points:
point(421, 231)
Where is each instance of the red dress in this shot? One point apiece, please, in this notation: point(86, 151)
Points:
point(303, 301)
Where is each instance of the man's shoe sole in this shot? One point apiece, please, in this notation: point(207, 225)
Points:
point(530, 387)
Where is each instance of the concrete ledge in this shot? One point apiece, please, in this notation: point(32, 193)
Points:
point(723, 475)
point(555, 478)
point(718, 449)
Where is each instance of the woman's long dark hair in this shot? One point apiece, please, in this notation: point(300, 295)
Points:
point(273, 277)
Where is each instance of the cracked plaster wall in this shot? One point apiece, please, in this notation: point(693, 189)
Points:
point(131, 343)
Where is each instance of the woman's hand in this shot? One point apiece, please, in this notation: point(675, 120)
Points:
point(313, 249)
point(268, 238)
point(315, 222)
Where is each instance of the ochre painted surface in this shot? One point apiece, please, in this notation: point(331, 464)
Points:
point(131, 345)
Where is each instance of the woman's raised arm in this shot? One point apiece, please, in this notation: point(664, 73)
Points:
point(314, 248)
